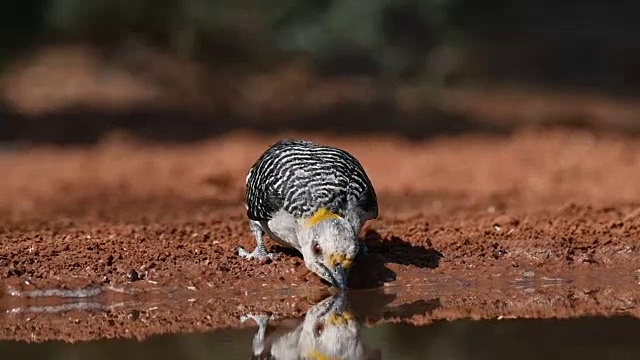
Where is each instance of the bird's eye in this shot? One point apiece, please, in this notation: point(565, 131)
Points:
point(317, 250)
point(318, 329)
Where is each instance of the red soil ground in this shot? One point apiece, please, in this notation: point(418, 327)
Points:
point(535, 224)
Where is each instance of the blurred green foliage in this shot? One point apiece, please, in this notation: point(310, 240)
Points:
point(558, 41)
point(390, 37)
point(22, 22)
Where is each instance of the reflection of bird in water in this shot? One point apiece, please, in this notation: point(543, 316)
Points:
point(328, 332)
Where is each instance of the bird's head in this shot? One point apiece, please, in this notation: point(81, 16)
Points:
point(329, 245)
point(330, 331)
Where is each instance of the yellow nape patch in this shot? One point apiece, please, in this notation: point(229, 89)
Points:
point(321, 215)
point(339, 259)
point(340, 319)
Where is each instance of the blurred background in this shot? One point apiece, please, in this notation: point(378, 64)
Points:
point(175, 71)
point(72, 71)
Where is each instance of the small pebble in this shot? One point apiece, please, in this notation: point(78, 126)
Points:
point(133, 275)
point(505, 222)
point(134, 315)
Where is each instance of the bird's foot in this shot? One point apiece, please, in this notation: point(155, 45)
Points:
point(260, 320)
point(258, 339)
point(259, 253)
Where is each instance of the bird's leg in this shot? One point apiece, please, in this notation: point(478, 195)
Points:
point(258, 338)
point(260, 252)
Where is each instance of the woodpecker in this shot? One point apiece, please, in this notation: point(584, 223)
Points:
point(313, 198)
point(329, 330)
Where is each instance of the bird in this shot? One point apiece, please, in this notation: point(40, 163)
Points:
point(329, 330)
point(313, 198)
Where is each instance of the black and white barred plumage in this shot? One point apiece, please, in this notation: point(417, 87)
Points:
point(301, 177)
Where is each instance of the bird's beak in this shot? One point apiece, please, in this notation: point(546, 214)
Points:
point(339, 315)
point(340, 277)
point(339, 302)
point(339, 269)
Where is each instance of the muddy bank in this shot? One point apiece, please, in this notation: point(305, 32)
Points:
point(465, 213)
point(444, 298)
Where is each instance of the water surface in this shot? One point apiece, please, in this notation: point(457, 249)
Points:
point(331, 330)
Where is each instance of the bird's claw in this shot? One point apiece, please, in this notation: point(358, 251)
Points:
point(258, 254)
point(259, 319)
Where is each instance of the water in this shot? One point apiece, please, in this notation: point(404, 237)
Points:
point(332, 329)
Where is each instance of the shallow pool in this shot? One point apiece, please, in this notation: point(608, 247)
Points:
point(331, 330)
